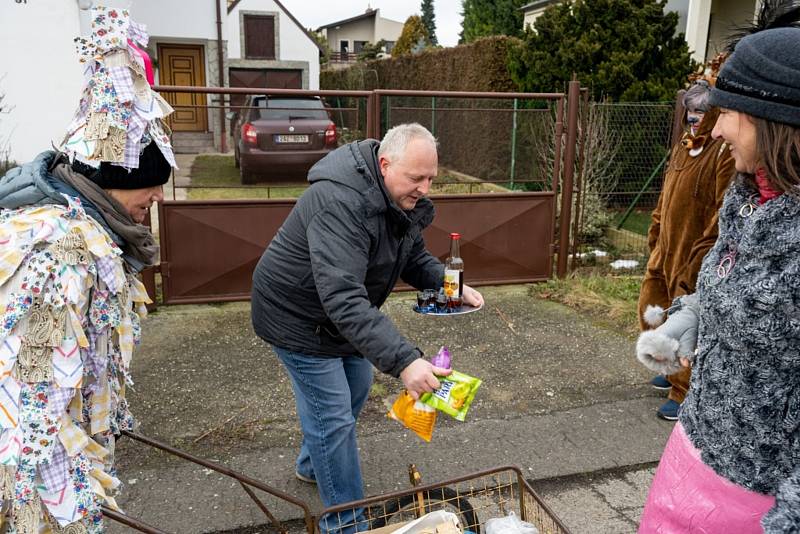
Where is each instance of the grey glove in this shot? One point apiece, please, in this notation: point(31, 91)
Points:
point(660, 349)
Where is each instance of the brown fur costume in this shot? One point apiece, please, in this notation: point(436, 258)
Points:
point(684, 225)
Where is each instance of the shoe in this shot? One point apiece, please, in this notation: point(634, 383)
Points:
point(304, 478)
point(669, 410)
point(661, 383)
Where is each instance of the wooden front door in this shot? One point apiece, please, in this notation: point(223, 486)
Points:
point(184, 65)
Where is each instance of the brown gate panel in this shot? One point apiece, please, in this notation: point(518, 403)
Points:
point(209, 249)
point(505, 238)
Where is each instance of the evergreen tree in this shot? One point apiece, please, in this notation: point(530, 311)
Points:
point(413, 37)
point(429, 20)
point(491, 17)
point(625, 50)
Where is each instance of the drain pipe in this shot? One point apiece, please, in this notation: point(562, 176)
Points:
point(221, 69)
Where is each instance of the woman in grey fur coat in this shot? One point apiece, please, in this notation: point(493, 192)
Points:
point(732, 464)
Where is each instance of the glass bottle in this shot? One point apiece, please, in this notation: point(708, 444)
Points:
point(454, 272)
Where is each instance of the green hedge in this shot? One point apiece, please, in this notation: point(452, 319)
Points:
point(479, 66)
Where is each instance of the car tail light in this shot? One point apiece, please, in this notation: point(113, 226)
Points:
point(330, 135)
point(249, 134)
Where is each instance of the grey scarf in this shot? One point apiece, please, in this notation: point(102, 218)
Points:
point(139, 241)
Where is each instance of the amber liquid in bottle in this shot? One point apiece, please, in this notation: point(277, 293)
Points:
point(454, 273)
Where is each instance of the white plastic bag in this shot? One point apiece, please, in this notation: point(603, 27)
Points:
point(510, 524)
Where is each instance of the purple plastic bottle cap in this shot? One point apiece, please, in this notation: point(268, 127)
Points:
point(442, 358)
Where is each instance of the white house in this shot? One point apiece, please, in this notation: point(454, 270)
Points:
point(41, 78)
point(347, 37)
point(705, 23)
point(264, 36)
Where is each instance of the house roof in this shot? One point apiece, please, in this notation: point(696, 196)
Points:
point(233, 3)
point(537, 4)
point(368, 14)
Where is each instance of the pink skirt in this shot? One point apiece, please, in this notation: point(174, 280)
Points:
point(687, 496)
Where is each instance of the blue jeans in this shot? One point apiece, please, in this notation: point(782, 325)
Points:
point(330, 392)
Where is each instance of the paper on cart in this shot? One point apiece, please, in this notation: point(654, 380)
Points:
point(429, 522)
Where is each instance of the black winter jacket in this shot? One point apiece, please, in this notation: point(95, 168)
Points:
point(319, 285)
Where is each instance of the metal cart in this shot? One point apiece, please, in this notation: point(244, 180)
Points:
point(474, 498)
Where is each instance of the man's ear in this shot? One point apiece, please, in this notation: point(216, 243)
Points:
point(383, 163)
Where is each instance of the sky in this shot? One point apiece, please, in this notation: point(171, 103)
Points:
point(316, 13)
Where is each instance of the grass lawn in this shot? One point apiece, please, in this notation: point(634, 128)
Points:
point(219, 172)
point(637, 222)
point(611, 300)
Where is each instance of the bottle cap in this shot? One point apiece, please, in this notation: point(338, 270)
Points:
point(455, 235)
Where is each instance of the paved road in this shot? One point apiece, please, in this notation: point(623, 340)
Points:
point(563, 398)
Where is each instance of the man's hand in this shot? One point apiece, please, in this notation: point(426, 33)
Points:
point(472, 297)
point(419, 378)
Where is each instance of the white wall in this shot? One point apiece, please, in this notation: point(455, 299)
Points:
point(360, 30)
point(697, 22)
point(182, 19)
point(293, 43)
point(387, 29)
point(41, 76)
point(681, 7)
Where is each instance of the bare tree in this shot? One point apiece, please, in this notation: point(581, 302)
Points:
point(600, 144)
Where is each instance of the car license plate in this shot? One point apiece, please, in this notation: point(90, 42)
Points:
point(291, 139)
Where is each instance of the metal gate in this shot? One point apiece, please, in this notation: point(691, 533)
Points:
point(210, 248)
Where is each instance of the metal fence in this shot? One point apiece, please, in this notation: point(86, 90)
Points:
point(492, 143)
point(626, 147)
point(507, 161)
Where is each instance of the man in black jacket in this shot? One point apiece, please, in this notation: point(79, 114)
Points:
point(319, 285)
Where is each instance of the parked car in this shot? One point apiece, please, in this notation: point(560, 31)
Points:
point(279, 138)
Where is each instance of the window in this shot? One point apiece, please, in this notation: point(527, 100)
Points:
point(344, 47)
point(259, 37)
point(388, 46)
point(278, 108)
point(358, 46)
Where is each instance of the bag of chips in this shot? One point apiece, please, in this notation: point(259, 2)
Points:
point(414, 415)
point(454, 395)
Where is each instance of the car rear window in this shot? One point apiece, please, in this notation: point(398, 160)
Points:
point(290, 108)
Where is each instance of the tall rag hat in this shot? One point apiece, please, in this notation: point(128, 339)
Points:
point(119, 126)
point(762, 77)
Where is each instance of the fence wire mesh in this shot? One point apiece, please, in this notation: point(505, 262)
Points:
point(485, 144)
point(625, 150)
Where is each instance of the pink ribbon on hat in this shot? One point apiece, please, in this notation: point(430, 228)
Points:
point(148, 64)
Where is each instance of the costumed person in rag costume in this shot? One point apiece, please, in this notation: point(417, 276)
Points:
point(732, 463)
point(684, 225)
point(72, 244)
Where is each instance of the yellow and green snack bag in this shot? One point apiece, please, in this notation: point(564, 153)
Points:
point(454, 395)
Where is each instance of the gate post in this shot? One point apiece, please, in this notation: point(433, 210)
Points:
point(374, 115)
point(573, 101)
